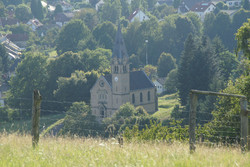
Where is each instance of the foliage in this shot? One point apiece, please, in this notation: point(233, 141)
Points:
point(111, 11)
point(226, 117)
point(88, 16)
point(151, 71)
point(58, 9)
point(23, 12)
point(105, 34)
point(166, 63)
point(156, 131)
point(171, 81)
point(4, 60)
point(70, 35)
point(37, 9)
point(31, 74)
point(243, 36)
point(68, 88)
point(79, 121)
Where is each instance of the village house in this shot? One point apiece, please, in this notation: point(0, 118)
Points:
point(233, 3)
point(34, 24)
point(63, 18)
point(19, 39)
point(139, 15)
point(159, 84)
point(201, 9)
point(122, 86)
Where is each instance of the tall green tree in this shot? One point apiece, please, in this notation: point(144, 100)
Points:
point(23, 12)
point(88, 16)
point(111, 11)
point(243, 36)
point(31, 74)
point(68, 87)
point(105, 34)
point(246, 5)
point(37, 9)
point(70, 35)
point(166, 63)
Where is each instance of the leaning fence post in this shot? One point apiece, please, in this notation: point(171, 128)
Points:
point(37, 99)
point(244, 124)
point(192, 121)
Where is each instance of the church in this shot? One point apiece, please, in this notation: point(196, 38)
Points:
point(122, 85)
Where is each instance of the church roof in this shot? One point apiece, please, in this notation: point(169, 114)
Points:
point(138, 80)
point(119, 49)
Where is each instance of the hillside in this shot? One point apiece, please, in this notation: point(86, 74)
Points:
point(16, 150)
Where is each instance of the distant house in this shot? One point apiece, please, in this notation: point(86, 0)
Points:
point(49, 7)
point(203, 8)
point(8, 21)
point(34, 24)
point(66, 6)
point(63, 18)
point(99, 4)
point(12, 49)
point(139, 15)
point(233, 3)
point(19, 39)
point(159, 84)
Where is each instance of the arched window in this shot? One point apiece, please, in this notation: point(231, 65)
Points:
point(133, 98)
point(102, 112)
point(124, 68)
point(141, 97)
point(148, 95)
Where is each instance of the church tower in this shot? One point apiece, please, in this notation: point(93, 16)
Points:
point(120, 72)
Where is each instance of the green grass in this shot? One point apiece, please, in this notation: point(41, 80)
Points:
point(16, 150)
point(166, 105)
point(24, 126)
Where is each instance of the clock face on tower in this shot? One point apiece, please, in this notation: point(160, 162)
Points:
point(116, 79)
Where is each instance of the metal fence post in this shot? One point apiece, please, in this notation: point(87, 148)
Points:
point(192, 121)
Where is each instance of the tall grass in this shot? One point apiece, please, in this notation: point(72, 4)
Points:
point(16, 150)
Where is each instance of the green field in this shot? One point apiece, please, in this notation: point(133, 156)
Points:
point(16, 150)
point(24, 126)
point(166, 105)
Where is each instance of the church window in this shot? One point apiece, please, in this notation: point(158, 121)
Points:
point(116, 101)
point(141, 97)
point(116, 88)
point(102, 112)
point(133, 98)
point(116, 69)
point(148, 95)
point(124, 68)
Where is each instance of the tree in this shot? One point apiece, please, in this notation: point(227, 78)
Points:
point(68, 88)
point(88, 16)
point(62, 66)
point(2, 9)
point(105, 34)
point(166, 63)
point(70, 35)
point(23, 12)
point(246, 5)
point(171, 81)
point(134, 62)
point(4, 60)
point(79, 121)
point(58, 9)
point(183, 74)
point(31, 74)
point(111, 11)
point(243, 36)
point(151, 71)
point(37, 9)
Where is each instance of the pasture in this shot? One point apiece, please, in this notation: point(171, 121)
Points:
point(16, 150)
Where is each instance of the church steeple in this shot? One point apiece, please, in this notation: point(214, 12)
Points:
point(119, 50)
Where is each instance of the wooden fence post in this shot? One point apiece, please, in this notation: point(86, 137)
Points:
point(244, 124)
point(192, 121)
point(37, 99)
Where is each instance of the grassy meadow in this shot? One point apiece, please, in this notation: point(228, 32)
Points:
point(166, 104)
point(16, 150)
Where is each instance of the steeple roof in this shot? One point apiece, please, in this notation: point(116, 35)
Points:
point(119, 50)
